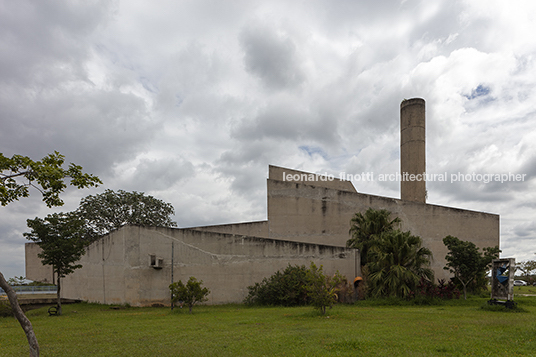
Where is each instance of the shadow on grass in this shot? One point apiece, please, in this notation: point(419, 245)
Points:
point(503, 309)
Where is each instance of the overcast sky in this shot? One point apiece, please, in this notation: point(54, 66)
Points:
point(190, 101)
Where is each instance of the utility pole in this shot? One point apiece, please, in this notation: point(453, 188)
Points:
point(172, 256)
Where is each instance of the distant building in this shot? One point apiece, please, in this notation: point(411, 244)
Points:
point(308, 220)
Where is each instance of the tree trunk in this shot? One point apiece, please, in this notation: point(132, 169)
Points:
point(58, 296)
point(464, 286)
point(19, 314)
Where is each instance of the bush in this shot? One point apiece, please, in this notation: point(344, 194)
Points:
point(287, 288)
point(323, 290)
point(427, 291)
point(188, 294)
point(299, 285)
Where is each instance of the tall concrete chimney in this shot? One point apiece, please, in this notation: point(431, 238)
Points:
point(413, 150)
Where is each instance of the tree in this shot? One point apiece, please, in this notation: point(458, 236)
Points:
point(61, 239)
point(17, 281)
point(527, 267)
point(109, 211)
point(47, 176)
point(397, 264)
point(366, 229)
point(190, 293)
point(322, 289)
point(466, 262)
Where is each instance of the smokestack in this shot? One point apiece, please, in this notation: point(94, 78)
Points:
point(413, 150)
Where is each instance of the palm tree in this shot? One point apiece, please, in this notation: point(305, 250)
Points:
point(397, 262)
point(365, 229)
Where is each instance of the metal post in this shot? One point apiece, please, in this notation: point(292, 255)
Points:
point(172, 256)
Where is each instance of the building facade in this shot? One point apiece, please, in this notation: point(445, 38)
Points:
point(308, 221)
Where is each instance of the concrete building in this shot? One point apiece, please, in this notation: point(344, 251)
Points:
point(308, 220)
point(134, 264)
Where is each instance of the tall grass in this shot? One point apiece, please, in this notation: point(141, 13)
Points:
point(368, 328)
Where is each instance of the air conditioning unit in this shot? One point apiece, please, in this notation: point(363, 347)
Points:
point(156, 262)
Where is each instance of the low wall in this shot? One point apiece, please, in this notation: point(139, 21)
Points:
point(118, 268)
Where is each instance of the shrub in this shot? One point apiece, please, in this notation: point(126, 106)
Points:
point(188, 294)
point(323, 290)
point(287, 288)
point(299, 285)
point(428, 290)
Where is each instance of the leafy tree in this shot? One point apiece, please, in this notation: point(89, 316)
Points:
point(397, 264)
point(109, 211)
point(466, 262)
point(47, 176)
point(527, 267)
point(61, 239)
point(17, 281)
point(322, 290)
point(366, 229)
point(190, 293)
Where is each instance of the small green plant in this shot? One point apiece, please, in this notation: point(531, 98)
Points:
point(322, 290)
point(188, 294)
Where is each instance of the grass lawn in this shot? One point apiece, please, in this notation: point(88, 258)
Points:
point(528, 290)
point(456, 328)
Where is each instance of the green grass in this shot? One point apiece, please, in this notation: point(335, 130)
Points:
point(370, 328)
point(524, 290)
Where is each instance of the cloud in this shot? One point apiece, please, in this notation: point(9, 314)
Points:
point(272, 57)
point(44, 42)
point(155, 174)
point(285, 120)
point(190, 101)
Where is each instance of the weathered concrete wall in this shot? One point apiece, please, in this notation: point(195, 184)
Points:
point(306, 213)
point(117, 269)
point(34, 269)
point(254, 229)
point(295, 176)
